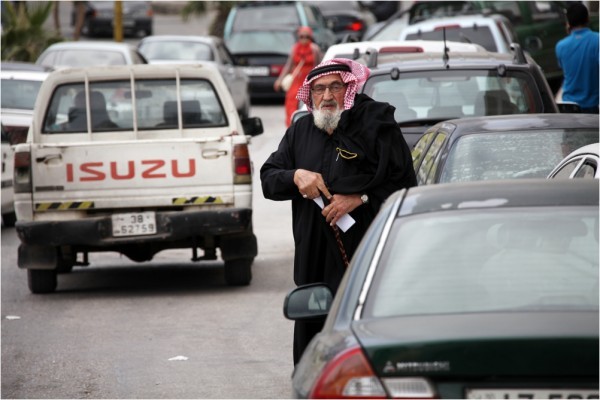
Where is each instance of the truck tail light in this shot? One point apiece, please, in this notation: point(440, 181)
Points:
point(348, 376)
point(22, 172)
point(242, 172)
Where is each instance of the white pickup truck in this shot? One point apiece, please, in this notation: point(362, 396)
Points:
point(134, 159)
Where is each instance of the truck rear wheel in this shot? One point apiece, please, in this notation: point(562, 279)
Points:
point(238, 272)
point(41, 280)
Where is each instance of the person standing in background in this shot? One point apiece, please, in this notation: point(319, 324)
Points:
point(305, 55)
point(578, 56)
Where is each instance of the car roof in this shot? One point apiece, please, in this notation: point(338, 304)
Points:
point(508, 193)
point(100, 44)
point(181, 38)
point(593, 148)
point(436, 60)
point(401, 46)
point(513, 122)
point(461, 20)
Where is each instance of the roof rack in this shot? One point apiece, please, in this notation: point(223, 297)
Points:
point(371, 57)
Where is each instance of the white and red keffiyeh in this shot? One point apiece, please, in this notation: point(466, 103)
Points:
point(354, 78)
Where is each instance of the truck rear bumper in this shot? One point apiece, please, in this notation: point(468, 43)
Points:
point(172, 226)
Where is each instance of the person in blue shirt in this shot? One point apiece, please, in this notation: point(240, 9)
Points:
point(579, 58)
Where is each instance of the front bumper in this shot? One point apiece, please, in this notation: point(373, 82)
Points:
point(172, 226)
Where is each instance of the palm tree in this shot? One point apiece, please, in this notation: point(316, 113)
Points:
point(217, 27)
point(23, 34)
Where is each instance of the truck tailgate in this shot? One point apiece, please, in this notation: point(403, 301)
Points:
point(132, 174)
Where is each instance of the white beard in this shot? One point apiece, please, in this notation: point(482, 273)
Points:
point(327, 120)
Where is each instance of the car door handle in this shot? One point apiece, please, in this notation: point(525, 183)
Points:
point(48, 158)
point(213, 153)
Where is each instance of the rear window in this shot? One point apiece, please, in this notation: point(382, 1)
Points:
point(86, 58)
point(250, 18)
point(261, 42)
point(509, 260)
point(509, 155)
point(111, 106)
point(456, 93)
point(177, 51)
point(481, 35)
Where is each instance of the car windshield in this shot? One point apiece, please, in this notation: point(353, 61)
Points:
point(111, 106)
point(511, 259)
point(481, 35)
point(19, 94)
point(261, 42)
point(509, 155)
point(446, 94)
point(177, 51)
point(85, 58)
point(265, 16)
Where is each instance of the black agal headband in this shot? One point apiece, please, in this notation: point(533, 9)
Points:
point(327, 68)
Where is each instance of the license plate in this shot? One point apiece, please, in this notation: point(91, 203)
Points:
point(256, 71)
point(134, 224)
point(532, 394)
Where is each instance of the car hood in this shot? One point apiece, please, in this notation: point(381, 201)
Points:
point(499, 344)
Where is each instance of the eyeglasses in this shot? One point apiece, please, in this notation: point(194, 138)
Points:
point(335, 87)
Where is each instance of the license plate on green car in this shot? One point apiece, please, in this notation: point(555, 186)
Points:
point(532, 394)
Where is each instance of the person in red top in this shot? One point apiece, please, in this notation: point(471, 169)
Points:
point(305, 55)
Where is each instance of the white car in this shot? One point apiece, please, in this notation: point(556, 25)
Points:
point(88, 53)
point(354, 50)
point(166, 166)
point(494, 32)
point(182, 49)
point(581, 163)
point(20, 86)
point(8, 207)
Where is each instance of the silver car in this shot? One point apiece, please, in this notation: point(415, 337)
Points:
point(165, 49)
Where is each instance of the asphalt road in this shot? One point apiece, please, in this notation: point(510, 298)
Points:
point(112, 329)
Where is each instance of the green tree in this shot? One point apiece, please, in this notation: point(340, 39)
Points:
point(23, 34)
point(217, 27)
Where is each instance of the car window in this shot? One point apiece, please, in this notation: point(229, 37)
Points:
point(481, 35)
point(261, 42)
point(508, 155)
point(391, 31)
point(430, 157)
point(112, 106)
point(421, 11)
point(511, 259)
point(249, 18)
point(177, 50)
point(19, 94)
point(88, 58)
point(567, 169)
point(544, 10)
point(421, 146)
point(455, 93)
point(588, 169)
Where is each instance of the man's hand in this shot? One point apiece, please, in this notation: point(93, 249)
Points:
point(310, 184)
point(339, 205)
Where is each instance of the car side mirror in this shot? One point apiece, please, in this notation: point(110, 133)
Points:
point(308, 302)
point(252, 126)
point(568, 107)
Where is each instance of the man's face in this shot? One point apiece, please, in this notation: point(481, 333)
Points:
point(328, 101)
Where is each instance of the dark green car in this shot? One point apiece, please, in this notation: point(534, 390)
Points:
point(466, 290)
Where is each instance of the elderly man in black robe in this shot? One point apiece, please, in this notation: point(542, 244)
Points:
point(348, 151)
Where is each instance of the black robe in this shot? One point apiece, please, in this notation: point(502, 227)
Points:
point(382, 165)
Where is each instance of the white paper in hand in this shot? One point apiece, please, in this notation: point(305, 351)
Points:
point(343, 223)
